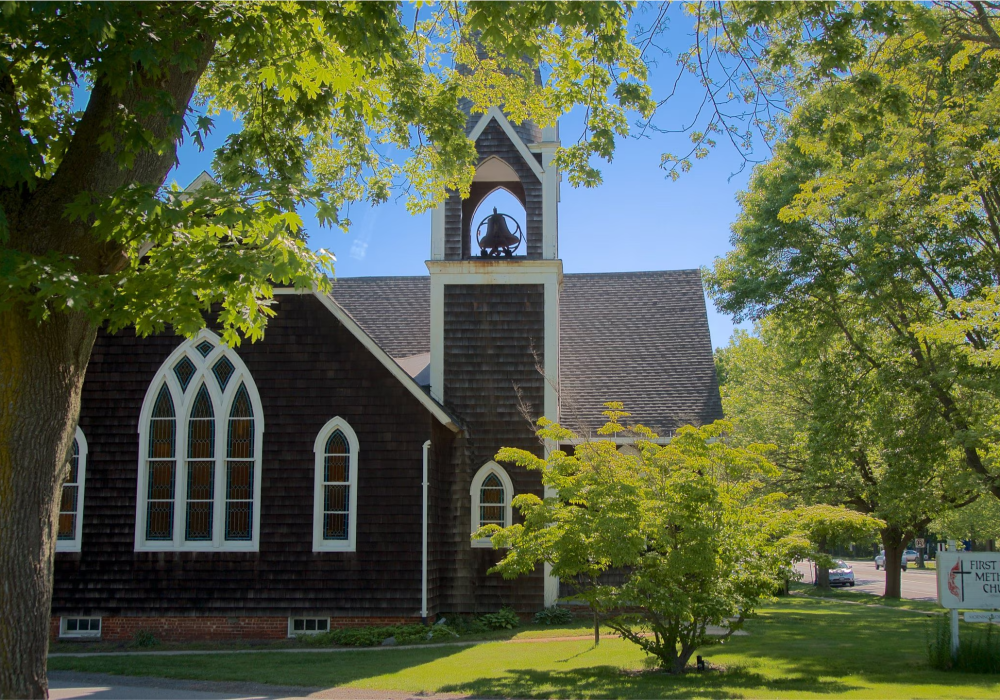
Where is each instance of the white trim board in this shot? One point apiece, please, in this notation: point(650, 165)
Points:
point(522, 148)
point(486, 272)
point(381, 355)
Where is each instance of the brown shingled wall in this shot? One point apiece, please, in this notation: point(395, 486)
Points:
point(308, 369)
point(493, 337)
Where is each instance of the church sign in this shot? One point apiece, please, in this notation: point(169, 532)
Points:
point(968, 580)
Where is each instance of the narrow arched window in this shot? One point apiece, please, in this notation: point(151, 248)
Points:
point(69, 535)
point(200, 468)
point(335, 502)
point(240, 468)
point(492, 492)
point(161, 468)
point(199, 486)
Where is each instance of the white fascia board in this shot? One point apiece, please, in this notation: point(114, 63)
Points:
point(381, 355)
point(522, 147)
point(616, 440)
point(202, 179)
point(437, 232)
point(494, 271)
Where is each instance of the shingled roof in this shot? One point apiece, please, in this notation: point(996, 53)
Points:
point(394, 311)
point(637, 337)
point(640, 338)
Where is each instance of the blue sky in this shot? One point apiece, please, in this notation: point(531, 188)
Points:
point(636, 220)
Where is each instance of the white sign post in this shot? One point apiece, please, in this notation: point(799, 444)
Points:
point(969, 580)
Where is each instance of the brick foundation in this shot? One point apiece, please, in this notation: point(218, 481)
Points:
point(216, 629)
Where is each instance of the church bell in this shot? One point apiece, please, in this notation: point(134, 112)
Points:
point(498, 239)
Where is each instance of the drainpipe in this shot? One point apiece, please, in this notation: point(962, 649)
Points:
point(423, 542)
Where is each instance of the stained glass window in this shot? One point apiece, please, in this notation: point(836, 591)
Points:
point(492, 502)
point(161, 468)
point(223, 370)
point(200, 456)
point(69, 503)
point(240, 468)
point(336, 487)
point(184, 370)
point(200, 468)
point(204, 347)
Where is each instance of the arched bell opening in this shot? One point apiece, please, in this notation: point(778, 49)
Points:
point(495, 186)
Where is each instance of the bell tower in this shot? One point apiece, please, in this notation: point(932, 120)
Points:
point(493, 254)
point(495, 310)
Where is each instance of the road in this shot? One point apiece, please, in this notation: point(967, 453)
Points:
point(916, 584)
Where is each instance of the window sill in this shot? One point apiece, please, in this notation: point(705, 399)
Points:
point(248, 547)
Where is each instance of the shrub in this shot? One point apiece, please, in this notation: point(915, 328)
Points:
point(465, 625)
point(374, 636)
point(144, 639)
point(505, 619)
point(978, 649)
point(553, 616)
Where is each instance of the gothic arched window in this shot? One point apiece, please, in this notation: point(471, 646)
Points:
point(492, 492)
point(70, 531)
point(200, 436)
point(335, 504)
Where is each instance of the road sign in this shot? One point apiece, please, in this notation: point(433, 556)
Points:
point(968, 580)
point(981, 617)
point(919, 542)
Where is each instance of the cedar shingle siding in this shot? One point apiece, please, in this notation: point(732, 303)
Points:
point(494, 337)
point(308, 369)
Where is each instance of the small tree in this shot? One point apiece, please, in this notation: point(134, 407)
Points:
point(702, 541)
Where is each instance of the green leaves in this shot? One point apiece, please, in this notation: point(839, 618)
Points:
point(701, 539)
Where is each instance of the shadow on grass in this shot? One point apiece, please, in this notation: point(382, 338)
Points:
point(611, 682)
point(315, 669)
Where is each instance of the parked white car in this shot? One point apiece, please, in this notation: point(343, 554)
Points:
point(842, 574)
point(911, 555)
point(880, 561)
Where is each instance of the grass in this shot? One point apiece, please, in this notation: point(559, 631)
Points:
point(799, 648)
point(864, 598)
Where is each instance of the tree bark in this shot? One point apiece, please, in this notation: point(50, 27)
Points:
point(42, 366)
point(892, 542)
point(822, 577)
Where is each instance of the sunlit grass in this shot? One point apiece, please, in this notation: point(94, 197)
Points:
point(799, 648)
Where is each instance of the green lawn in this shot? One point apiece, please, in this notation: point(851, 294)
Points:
point(799, 648)
point(854, 596)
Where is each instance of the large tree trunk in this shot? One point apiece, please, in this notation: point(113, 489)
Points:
point(42, 365)
point(41, 375)
point(892, 542)
point(822, 577)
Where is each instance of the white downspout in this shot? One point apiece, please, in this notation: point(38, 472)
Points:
point(423, 542)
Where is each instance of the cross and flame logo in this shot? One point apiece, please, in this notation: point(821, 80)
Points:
point(957, 589)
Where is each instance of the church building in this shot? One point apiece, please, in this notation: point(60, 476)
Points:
point(332, 473)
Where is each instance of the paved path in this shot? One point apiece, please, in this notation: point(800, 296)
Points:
point(70, 685)
point(916, 584)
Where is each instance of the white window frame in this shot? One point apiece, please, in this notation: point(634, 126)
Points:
point(291, 623)
point(76, 634)
point(474, 492)
point(73, 545)
point(221, 406)
point(319, 452)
